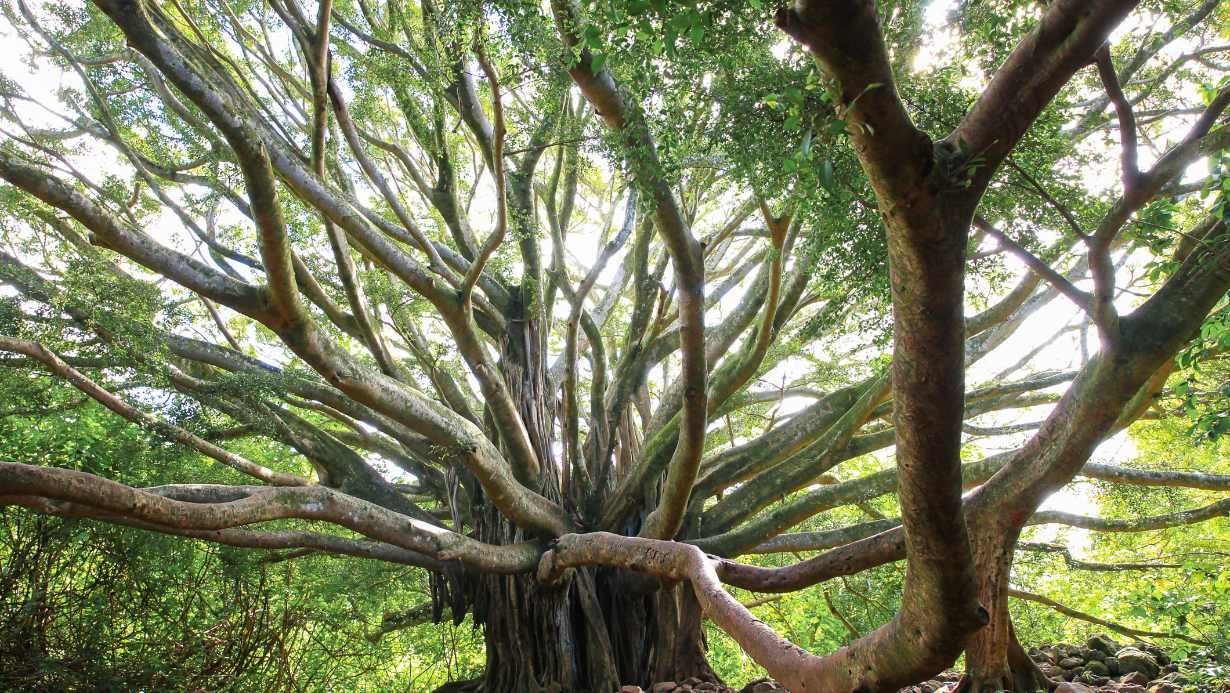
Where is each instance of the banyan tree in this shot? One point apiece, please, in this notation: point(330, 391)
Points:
point(583, 307)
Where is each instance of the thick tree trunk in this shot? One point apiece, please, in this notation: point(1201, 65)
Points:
point(994, 658)
point(599, 630)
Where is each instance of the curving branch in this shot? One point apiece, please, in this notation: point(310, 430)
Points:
point(169, 431)
point(19, 483)
point(600, 89)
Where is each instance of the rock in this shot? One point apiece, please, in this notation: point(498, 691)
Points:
point(1176, 677)
point(1097, 667)
point(1112, 665)
point(631, 689)
point(1104, 644)
point(1158, 653)
point(1041, 657)
point(1127, 688)
point(1070, 687)
point(1050, 670)
point(1169, 668)
point(692, 681)
point(1091, 678)
point(1135, 677)
point(664, 687)
point(1164, 687)
point(1071, 662)
point(1098, 680)
point(761, 686)
point(1134, 659)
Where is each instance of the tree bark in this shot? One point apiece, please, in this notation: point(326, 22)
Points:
point(599, 630)
point(994, 658)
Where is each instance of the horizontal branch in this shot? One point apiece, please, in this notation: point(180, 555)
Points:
point(21, 482)
point(1118, 628)
point(1079, 564)
point(1141, 524)
point(875, 657)
point(269, 540)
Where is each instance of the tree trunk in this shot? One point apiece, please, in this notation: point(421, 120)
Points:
point(994, 658)
point(601, 629)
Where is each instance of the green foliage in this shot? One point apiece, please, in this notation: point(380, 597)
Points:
point(89, 606)
point(1192, 598)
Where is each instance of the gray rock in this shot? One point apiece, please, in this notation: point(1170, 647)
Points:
point(1097, 667)
point(1070, 687)
point(1134, 677)
point(1158, 653)
point(1164, 687)
point(1071, 662)
point(1050, 670)
point(1104, 644)
point(1099, 680)
point(1135, 659)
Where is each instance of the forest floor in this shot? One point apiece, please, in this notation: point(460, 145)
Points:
point(1100, 665)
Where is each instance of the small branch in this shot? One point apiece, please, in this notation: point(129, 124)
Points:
point(828, 600)
point(1118, 628)
point(497, 172)
point(169, 431)
point(1078, 564)
point(1127, 119)
point(1081, 298)
point(1055, 204)
point(220, 323)
point(1143, 524)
